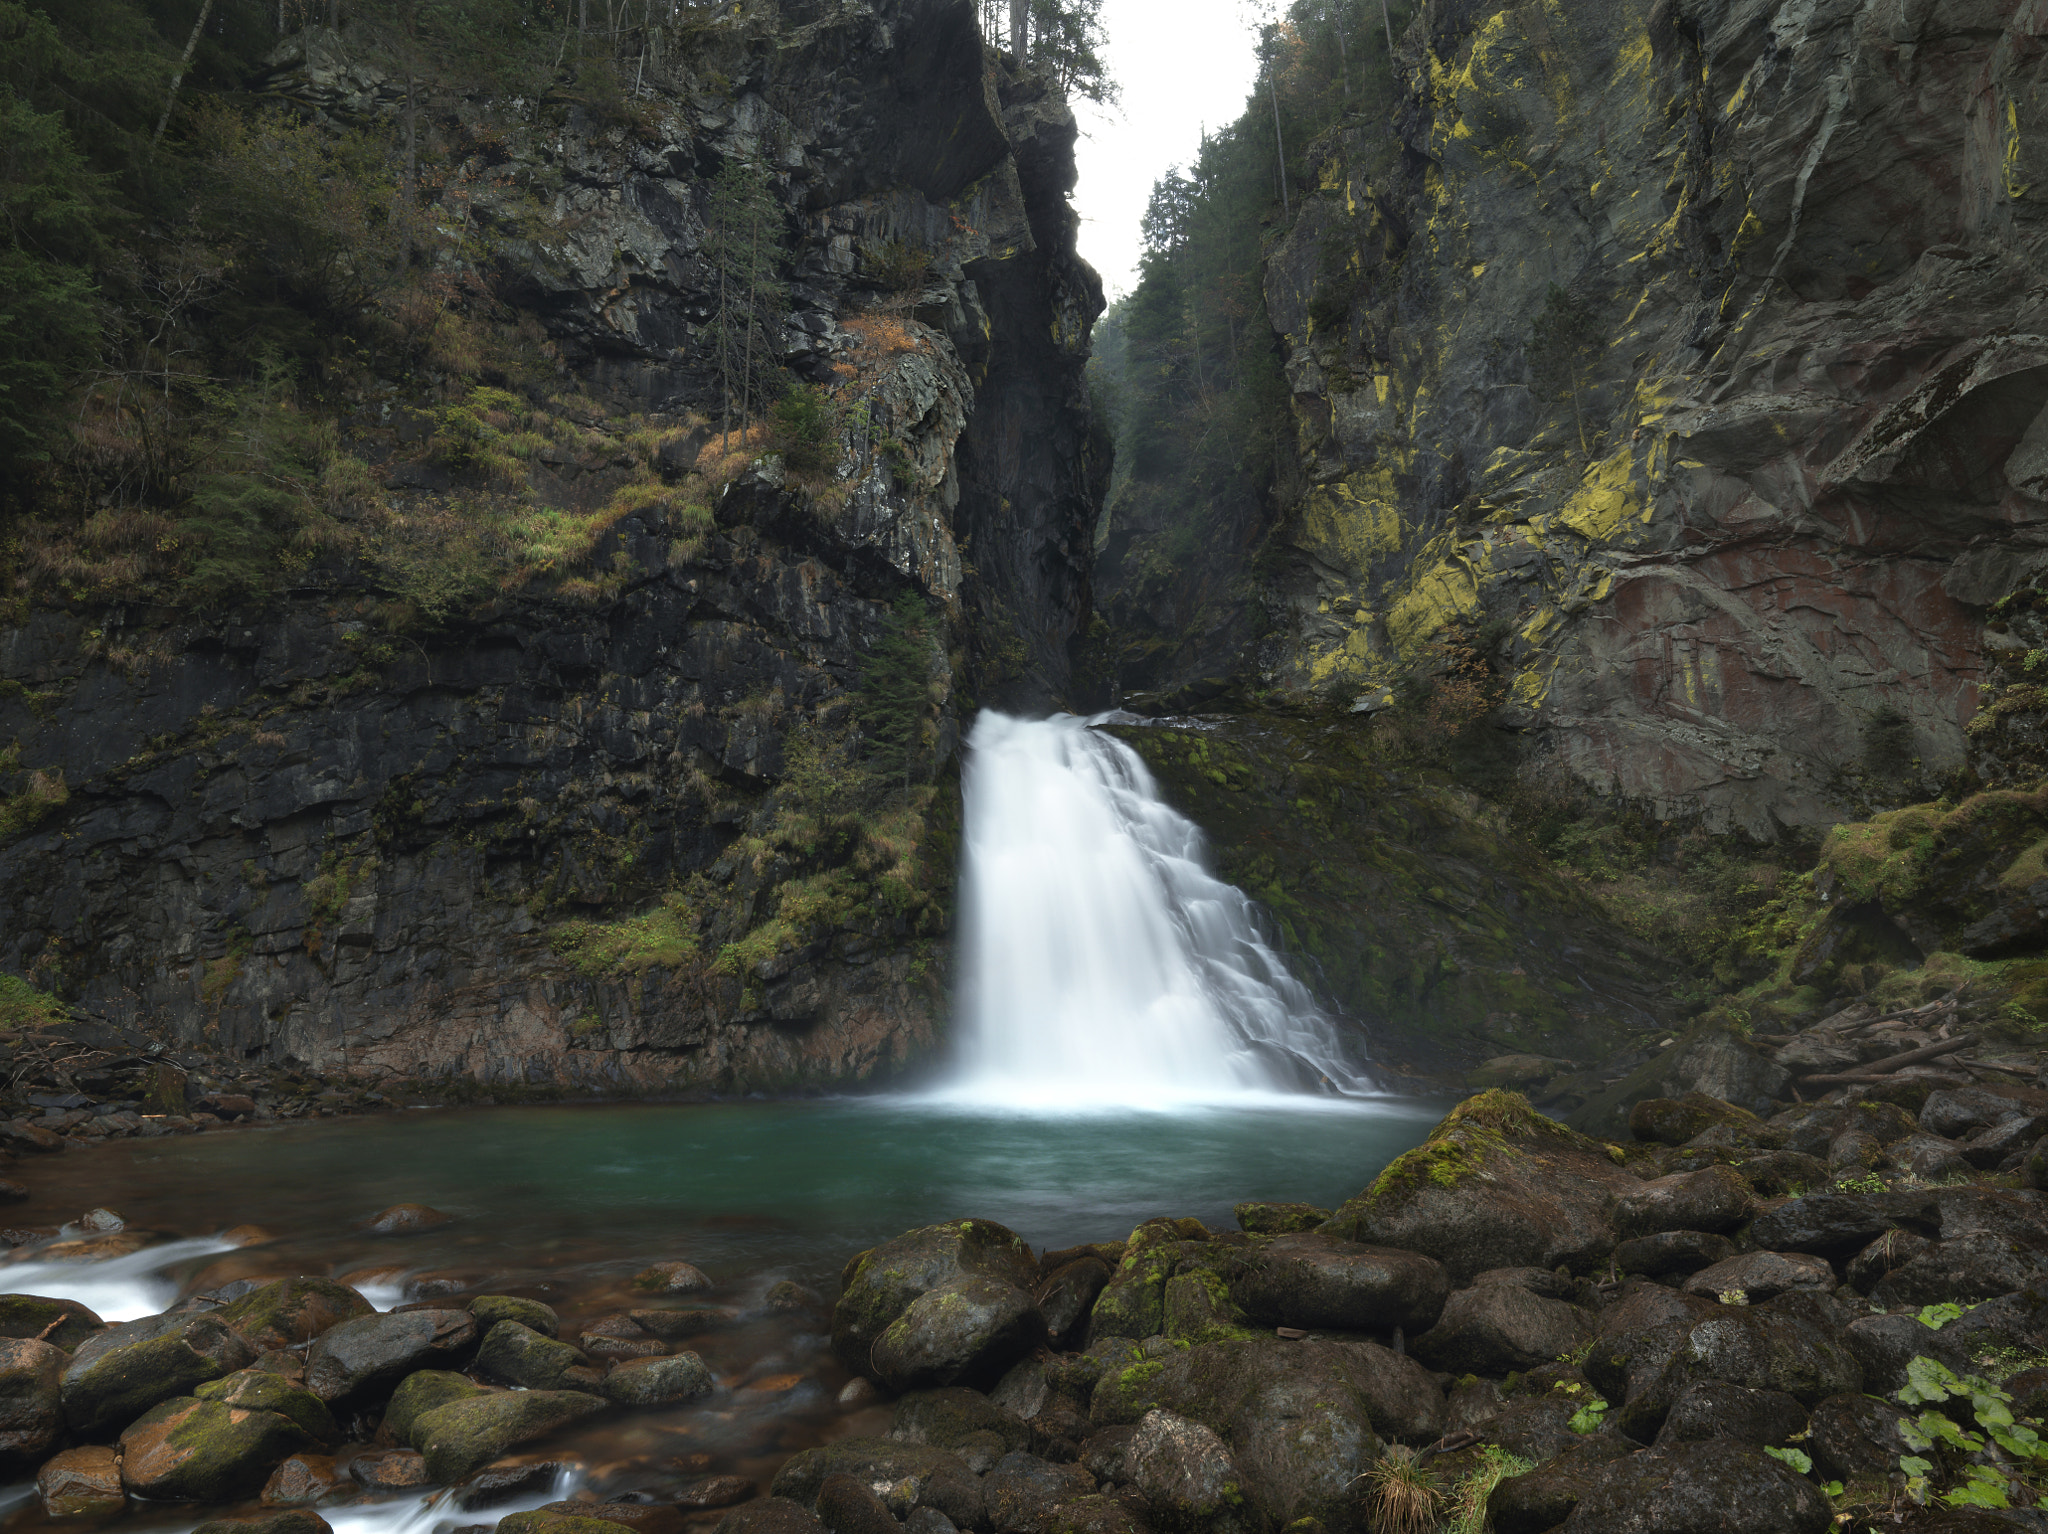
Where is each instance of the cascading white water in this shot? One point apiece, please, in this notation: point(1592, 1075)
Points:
point(1102, 963)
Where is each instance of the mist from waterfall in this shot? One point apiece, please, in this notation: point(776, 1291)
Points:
point(1102, 964)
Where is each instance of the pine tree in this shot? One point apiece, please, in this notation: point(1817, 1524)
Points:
point(743, 242)
point(895, 689)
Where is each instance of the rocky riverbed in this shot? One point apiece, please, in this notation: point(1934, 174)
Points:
point(1835, 1312)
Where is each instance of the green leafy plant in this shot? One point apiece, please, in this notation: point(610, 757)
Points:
point(1587, 1418)
point(1798, 1459)
point(1978, 1467)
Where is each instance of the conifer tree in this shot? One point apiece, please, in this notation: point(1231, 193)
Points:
point(895, 688)
point(743, 242)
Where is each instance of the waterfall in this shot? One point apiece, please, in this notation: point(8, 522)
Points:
point(1102, 964)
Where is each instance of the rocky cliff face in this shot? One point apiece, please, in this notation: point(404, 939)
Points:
point(600, 832)
point(1689, 358)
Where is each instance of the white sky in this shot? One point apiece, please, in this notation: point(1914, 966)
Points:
point(1182, 64)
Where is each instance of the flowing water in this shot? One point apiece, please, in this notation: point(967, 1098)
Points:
point(1131, 1046)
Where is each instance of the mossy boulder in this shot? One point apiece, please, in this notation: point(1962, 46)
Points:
point(970, 1329)
point(31, 1317)
point(293, 1310)
point(1067, 1294)
point(658, 1381)
point(258, 1390)
point(490, 1309)
point(1495, 1185)
point(1133, 1303)
point(546, 1520)
point(947, 1418)
point(361, 1360)
point(1199, 1308)
point(1264, 1218)
point(886, 1461)
point(1711, 1062)
point(1715, 1199)
point(419, 1394)
point(31, 1403)
point(118, 1374)
point(881, 1284)
point(1322, 1280)
point(1677, 1120)
point(515, 1354)
point(465, 1435)
point(189, 1450)
point(1499, 1325)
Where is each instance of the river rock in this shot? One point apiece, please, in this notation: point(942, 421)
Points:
point(297, 1520)
point(490, 1309)
point(117, 1374)
point(418, 1394)
point(1675, 1120)
point(515, 1354)
point(1956, 1111)
point(880, 1285)
point(30, 1317)
point(467, 1434)
point(1782, 1173)
point(1273, 1219)
point(1495, 1185)
point(1716, 1199)
point(1715, 1487)
point(82, 1483)
point(1763, 1351)
point(405, 1220)
point(1994, 1145)
point(557, 1519)
point(259, 1390)
point(1183, 1470)
point(1975, 1265)
point(1718, 1408)
point(188, 1450)
point(1639, 1305)
point(1540, 1499)
point(1493, 1328)
point(1133, 1303)
point(972, 1327)
point(671, 1278)
point(31, 1402)
point(363, 1359)
point(303, 1479)
point(1023, 1492)
point(1319, 1280)
point(292, 1310)
point(847, 1505)
point(1760, 1276)
point(1853, 1435)
point(1893, 1249)
point(1835, 1225)
point(1068, 1293)
point(875, 1461)
point(714, 1491)
point(1672, 1252)
point(674, 1325)
point(770, 1515)
point(642, 1517)
point(946, 1419)
point(1927, 1158)
point(658, 1381)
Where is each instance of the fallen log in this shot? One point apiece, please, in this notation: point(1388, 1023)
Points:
point(1891, 1063)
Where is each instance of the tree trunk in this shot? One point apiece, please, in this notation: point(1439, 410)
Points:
point(1020, 18)
point(1343, 53)
point(184, 63)
point(1387, 22)
point(1279, 144)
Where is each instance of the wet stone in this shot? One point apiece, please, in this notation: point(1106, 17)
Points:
point(671, 1278)
point(302, 1480)
point(405, 1220)
point(389, 1470)
point(658, 1381)
point(82, 1483)
point(714, 1491)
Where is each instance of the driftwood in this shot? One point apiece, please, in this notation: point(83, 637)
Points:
point(1885, 1067)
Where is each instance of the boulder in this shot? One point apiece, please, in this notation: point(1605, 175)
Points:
point(1085, 1515)
point(1495, 1185)
point(259, 1390)
point(947, 1419)
point(848, 1505)
point(1989, 1148)
point(1319, 1280)
point(1183, 1470)
point(556, 1519)
point(1068, 1294)
point(1884, 1345)
point(770, 1515)
point(1975, 1265)
point(31, 1317)
point(405, 1220)
point(119, 1373)
point(292, 1310)
point(881, 1285)
point(1717, 1199)
point(1199, 1308)
point(467, 1434)
point(714, 1491)
point(1893, 1249)
point(515, 1354)
point(189, 1450)
point(971, 1328)
point(1760, 1276)
point(389, 1470)
point(671, 1278)
point(1023, 1491)
point(361, 1360)
point(1720, 1409)
point(1779, 1173)
point(674, 1325)
point(1133, 1303)
point(1535, 1428)
point(1495, 1328)
point(1835, 1225)
point(658, 1381)
point(1928, 1158)
point(1715, 1487)
point(883, 1461)
point(490, 1309)
point(1271, 1219)
point(418, 1394)
point(295, 1520)
point(1542, 1498)
point(1672, 1251)
point(82, 1483)
point(1758, 1349)
point(1886, 1123)
point(302, 1480)
point(31, 1403)
point(1854, 1435)
point(1637, 1306)
point(1675, 1120)
point(1955, 1111)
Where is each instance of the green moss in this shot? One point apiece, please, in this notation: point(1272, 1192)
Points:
point(665, 938)
point(23, 1006)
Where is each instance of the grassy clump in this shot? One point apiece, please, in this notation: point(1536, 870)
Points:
point(23, 1007)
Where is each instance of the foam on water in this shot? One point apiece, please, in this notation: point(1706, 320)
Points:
point(116, 1288)
point(1103, 964)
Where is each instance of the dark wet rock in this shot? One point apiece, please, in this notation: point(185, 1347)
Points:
point(1199, 1308)
point(945, 1419)
point(14, 1192)
point(258, 1390)
point(1493, 1328)
point(1098, 1514)
point(1672, 1251)
point(641, 1517)
point(885, 1461)
point(1835, 1225)
point(297, 1520)
point(1853, 1435)
point(22, 1136)
point(791, 1297)
point(1989, 1148)
point(770, 1515)
point(31, 1403)
point(1893, 1249)
point(117, 1374)
point(514, 1476)
point(1183, 1470)
point(1956, 1111)
point(1533, 1427)
point(1068, 1293)
point(1778, 1173)
point(1715, 1487)
point(658, 1381)
point(557, 1519)
point(1759, 1276)
point(490, 1309)
point(1884, 1345)
point(1133, 1303)
point(188, 1450)
point(928, 1520)
point(1495, 1184)
point(712, 1491)
point(1852, 1152)
point(971, 1328)
point(303, 1479)
point(2029, 1392)
point(1806, 1130)
point(1717, 1199)
point(1927, 1158)
point(671, 1278)
point(419, 1393)
point(1271, 1219)
point(82, 1483)
point(363, 1359)
point(292, 1310)
point(515, 1354)
point(2004, 1211)
point(881, 1285)
point(601, 1348)
point(1975, 1265)
point(31, 1317)
point(847, 1505)
point(1637, 1306)
point(465, 1435)
point(1318, 1280)
point(1886, 1123)
point(1675, 1120)
point(1024, 1391)
point(1542, 1498)
point(1022, 1490)
point(1718, 1409)
point(389, 1470)
point(1470, 1402)
point(405, 1220)
point(1760, 1350)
